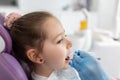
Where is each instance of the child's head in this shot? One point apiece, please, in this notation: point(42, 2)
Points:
point(39, 40)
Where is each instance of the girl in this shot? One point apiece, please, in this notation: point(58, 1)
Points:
point(87, 66)
point(39, 40)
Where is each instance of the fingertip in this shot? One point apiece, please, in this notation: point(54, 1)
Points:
point(77, 52)
point(76, 56)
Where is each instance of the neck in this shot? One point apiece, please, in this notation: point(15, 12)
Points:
point(43, 70)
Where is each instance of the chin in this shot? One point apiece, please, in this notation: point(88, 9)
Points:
point(66, 66)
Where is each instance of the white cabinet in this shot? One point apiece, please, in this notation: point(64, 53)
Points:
point(109, 52)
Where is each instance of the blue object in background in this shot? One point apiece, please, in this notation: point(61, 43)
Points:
point(88, 66)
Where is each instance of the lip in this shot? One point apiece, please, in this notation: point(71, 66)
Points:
point(67, 61)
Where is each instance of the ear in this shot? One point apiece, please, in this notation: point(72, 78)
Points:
point(35, 56)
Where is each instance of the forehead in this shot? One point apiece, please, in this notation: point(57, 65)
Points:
point(53, 27)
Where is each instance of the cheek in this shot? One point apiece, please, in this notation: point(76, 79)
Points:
point(55, 57)
point(55, 52)
point(59, 56)
point(57, 61)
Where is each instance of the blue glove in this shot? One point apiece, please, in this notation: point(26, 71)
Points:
point(88, 67)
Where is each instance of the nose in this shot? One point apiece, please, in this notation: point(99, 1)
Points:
point(69, 44)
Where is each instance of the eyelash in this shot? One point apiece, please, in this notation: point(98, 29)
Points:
point(60, 41)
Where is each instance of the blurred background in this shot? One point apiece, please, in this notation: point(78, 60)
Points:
point(91, 25)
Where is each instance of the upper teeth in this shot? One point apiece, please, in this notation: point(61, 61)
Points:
point(67, 57)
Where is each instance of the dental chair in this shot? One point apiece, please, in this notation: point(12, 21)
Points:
point(10, 68)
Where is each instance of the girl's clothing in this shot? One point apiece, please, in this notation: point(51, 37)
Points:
point(67, 74)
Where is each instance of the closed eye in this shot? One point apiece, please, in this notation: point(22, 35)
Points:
point(59, 41)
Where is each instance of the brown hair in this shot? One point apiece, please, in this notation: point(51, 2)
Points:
point(27, 32)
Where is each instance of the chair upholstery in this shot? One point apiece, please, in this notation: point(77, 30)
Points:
point(7, 39)
point(10, 68)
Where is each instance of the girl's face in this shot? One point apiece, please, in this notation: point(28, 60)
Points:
point(56, 47)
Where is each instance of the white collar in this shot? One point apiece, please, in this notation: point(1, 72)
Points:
point(68, 74)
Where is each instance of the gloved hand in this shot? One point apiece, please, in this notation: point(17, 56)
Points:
point(88, 66)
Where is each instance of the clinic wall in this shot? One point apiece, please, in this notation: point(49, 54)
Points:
point(104, 8)
point(106, 12)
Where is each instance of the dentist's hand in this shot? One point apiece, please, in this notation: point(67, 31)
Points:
point(88, 67)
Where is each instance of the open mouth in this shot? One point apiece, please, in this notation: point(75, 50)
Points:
point(67, 58)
